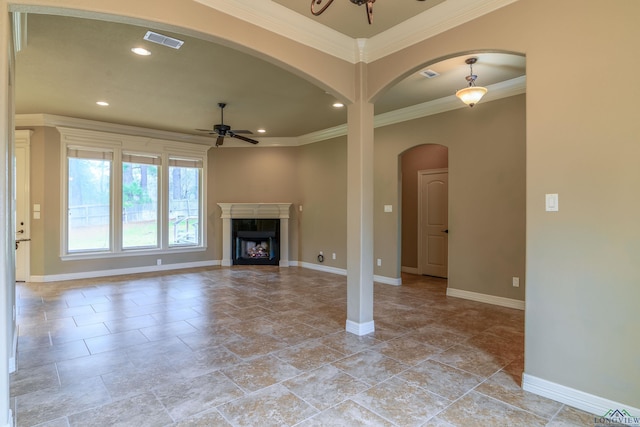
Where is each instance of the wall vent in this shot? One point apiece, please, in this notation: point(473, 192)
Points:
point(429, 73)
point(163, 40)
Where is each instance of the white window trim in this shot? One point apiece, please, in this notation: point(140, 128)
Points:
point(118, 143)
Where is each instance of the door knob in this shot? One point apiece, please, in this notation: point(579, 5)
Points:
point(20, 232)
point(446, 231)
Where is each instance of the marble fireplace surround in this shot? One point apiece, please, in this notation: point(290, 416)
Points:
point(255, 211)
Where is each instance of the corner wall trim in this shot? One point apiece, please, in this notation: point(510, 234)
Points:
point(360, 329)
point(121, 271)
point(14, 351)
point(578, 399)
point(387, 280)
point(488, 299)
point(10, 421)
point(410, 270)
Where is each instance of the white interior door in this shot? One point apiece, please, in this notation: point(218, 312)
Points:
point(433, 211)
point(22, 220)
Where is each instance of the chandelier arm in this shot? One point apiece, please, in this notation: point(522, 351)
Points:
point(369, 7)
point(322, 9)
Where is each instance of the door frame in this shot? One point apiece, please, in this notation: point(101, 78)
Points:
point(421, 249)
point(23, 196)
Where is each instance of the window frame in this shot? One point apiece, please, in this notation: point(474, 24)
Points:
point(122, 145)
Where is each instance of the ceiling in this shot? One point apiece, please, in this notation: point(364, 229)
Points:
point(351, 20)
point(69, 63)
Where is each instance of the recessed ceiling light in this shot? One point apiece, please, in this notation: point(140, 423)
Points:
point(103, 103)
point(262, 130)
point(338, 105)
point(140, 51)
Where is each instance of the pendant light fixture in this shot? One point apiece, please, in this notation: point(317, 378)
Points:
point(317, 8)
point(471, 94)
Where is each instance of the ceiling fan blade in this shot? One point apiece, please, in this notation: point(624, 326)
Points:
point(244, 138)
point(247, 132)
point(209, 131)
point(219, 141)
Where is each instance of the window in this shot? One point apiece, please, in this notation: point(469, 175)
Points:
point(184, 202)
point(154, 204)
point(140, 201)
point(89, 200)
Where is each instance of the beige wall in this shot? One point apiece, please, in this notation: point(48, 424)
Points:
point(323, 220)
point(582, 266)
point(252, 175)
point(486, 156)
point(422, 157)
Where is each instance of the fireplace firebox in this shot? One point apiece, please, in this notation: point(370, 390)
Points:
point(255, 241)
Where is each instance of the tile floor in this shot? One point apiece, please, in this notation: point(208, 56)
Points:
point(262, 346)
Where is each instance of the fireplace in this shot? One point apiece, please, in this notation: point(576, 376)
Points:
point(265, 239)
point(255, 241)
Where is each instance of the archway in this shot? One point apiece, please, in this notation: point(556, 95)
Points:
point(412, 162)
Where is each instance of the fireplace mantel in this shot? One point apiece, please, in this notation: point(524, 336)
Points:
point(255, 211)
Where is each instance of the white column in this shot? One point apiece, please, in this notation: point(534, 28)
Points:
point(360, 214)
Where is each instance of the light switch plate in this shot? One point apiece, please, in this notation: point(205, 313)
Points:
point(388, 208)
point(551, 202)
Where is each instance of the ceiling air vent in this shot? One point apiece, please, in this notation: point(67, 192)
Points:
point(163, 40)
point(429, 73)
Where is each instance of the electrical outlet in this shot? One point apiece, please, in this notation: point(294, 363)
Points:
point(333, 255)
point(516, 282)
point(158, 261)
point(379, 262)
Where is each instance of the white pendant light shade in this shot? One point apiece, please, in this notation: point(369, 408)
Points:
point(471, 95)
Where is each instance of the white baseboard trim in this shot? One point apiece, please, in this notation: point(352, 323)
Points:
point(343, 272)
point(570, 396)
point(489, 299)
point(121, 271)
point(326, 269)
point(387, 280)
point(410, 270)
point(360, 329)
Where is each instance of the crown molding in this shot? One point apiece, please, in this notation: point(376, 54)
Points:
point(496, 91)
point(440, 18)
point(278, 19)
point(19, 31)
point(281, 20)
point(51, 120)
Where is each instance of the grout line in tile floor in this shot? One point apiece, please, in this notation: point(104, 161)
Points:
point(247, 346)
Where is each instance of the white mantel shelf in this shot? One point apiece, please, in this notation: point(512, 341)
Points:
point(255, 211)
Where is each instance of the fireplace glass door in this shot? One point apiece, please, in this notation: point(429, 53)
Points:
point(255, 241)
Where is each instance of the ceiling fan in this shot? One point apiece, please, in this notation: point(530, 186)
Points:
point(317, 8)
point(223, 130)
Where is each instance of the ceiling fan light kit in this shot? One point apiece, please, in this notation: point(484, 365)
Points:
point(471, 94)
point(317, 7)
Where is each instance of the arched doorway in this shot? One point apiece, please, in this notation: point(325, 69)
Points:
point(416, 163)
